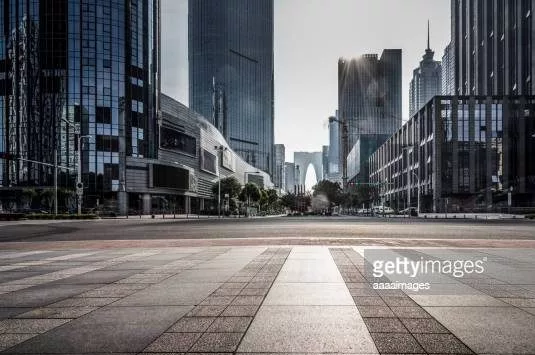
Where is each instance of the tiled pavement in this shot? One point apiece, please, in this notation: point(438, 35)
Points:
point(254, 300)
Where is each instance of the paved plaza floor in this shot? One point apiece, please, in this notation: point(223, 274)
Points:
point(258, 299)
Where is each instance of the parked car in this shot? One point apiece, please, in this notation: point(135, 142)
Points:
point(364, 211)
point(410, 211)
point(383, 210)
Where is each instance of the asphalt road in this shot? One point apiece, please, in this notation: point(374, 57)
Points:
point(280, 230)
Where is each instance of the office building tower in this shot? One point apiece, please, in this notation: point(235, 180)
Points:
point(77, 71)
point(231, 73)
point(334, 167)
point(369, 100)
point(279, 174)
point(493, 45)
point(290, 177)
point(325, 162)
point(448, 71)
point(426, 80)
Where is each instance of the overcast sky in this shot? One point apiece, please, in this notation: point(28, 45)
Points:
point(310, 36)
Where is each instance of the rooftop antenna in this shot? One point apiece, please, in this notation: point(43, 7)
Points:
point(428, 47)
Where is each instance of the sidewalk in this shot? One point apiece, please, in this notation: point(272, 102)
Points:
point(255, 300)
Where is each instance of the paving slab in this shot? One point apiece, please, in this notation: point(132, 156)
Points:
point(308, 329)
point(490, 330)
point(110, 329)
point(308, 294)
point(169, 293)
point(396, 343)
point(457, 300)
point(310, 270)
point(8, 312)
point(31, 326)
point(42, 295)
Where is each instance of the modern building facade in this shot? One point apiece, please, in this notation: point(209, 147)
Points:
point(279, 175)
point(493, 44)
point(461, 154)
point(369, 98)
point(357, 159)
point(77, 68)
point(231, 73)
point(448, 71)
point(426, 80)
point(187, 165)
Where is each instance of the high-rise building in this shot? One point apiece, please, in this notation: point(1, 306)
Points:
point(369, 99)
point(325, 161)
point(75, 71)
point(493, 45)
point(426, 80)
point(231, 73)
point(279, 173)
point(333, 169)
point(448, 71)
point(290, 176)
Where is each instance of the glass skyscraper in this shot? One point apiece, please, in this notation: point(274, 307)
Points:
point(493, 46)
point(231, 73)
point(71, 68)
point(369, 100)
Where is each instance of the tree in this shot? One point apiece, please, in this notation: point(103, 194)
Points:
point(250, 193)
point(360, 194)
point(27, 196)
point(229, 185)
point(263, 200)
point(68, 197)
point(47, 198)
point(289, 201)
point(331, 190)
point(273, 196)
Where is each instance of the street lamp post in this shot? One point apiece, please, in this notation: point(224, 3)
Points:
point(79, 184)
point(220, 149)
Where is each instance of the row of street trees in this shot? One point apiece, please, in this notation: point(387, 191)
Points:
point(328, 194)
point(325, 195)
point(247, 196)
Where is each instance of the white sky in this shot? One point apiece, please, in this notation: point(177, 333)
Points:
point(310, 36)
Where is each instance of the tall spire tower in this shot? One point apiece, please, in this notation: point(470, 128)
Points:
point(426, 81)
point(428, 46)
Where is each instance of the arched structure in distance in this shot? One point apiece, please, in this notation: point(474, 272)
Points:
point(303, 161)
